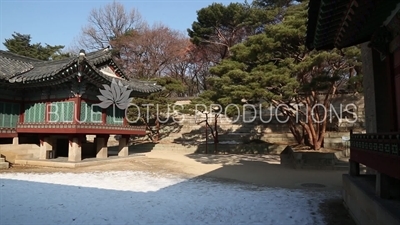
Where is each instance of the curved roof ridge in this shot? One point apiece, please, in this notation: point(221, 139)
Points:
point(41, 70)
point(21, 58)
point(12, 64)
point(38, 71)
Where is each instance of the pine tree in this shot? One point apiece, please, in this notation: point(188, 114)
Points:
point(21, 44)
point(275, 68)
point(157, 108)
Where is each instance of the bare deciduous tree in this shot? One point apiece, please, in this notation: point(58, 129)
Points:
point(200, 59)
point(149, 53)
point(108, 23)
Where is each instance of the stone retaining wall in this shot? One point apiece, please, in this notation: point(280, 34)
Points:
point(191, 129)
point(314, 160)
point(210, 148)
point(22, 151)
point(190, 132)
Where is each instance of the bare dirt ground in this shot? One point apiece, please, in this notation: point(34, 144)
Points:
point(261, 170)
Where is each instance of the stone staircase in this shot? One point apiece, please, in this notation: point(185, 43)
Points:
point(342, 164)
point(22, 151)
point(189, 131)
point(210, 148)
point(4, 164)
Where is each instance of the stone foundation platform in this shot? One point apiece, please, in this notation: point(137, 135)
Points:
point(363, 204)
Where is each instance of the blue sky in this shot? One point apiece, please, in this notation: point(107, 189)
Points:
point(58, 22)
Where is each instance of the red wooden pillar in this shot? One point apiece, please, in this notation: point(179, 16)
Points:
point(46, 112)
point(104, 116)
point(125, 121)
point(22, 112)
point(77, 109)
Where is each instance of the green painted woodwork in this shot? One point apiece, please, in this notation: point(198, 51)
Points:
point(61, 112)
point(9, 114)
point(388, 144)
point(90, 113)
point(115, 115)
point(10, 94)
point(35, 113)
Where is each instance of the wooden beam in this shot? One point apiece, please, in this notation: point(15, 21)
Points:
point(347, 17)
point(384, 163)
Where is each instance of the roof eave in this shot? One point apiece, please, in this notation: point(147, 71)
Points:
point(313, 13)
point(358, 24)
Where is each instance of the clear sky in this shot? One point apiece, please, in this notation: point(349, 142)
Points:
point(58, 22)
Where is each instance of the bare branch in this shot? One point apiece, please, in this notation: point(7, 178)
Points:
point(107, 23)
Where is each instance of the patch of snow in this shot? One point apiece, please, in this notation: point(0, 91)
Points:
point(128, 197)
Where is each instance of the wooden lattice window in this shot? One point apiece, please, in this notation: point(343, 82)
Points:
point(61, 112)
point(90, 113)
point(115, 115)
point(35, 112)
point(9, 114)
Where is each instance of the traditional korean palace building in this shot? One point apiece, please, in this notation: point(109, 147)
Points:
point(374, 197)
point(57, 103)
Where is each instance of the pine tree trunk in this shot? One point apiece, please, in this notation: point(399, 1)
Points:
point(317, 145)
point(306, 140)
point(296, 134)
point(319, 141)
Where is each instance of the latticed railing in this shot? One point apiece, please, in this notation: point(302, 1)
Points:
point(381, 143)
point(83, 128)
point(4, 131)
point(377, 151)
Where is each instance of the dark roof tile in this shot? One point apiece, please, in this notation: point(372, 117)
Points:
point(22, 70)
point(45, 69)
point(99, 57)
point(12, 64)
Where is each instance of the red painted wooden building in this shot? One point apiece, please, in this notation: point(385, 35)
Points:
point(57, 103)
point(375, 26)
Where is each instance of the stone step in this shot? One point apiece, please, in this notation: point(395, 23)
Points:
point(343, 160)
point(20, 147)
point(341, 167)
point(342, 164)
point(314, 167)
point(4, 165)
point(2, 159)
point(24, 156)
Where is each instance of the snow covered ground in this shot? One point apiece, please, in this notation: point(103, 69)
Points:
point(143, 198)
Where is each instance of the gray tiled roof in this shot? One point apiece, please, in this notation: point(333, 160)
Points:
point(98, 57)
point(43, 70)
point(143, 86)
point(23, 70)
point(12, 64)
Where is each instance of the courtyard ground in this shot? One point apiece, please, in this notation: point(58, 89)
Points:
point(173, 187)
